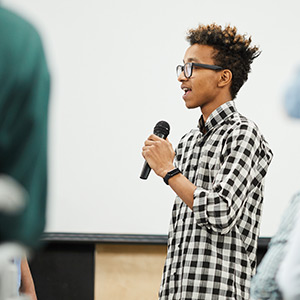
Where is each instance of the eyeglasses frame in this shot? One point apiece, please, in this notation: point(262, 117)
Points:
point(205, 66)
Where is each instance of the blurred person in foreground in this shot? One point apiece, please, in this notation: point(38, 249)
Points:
point(278, 275)
point(217, 172)
point(264, 285)
point(288, 275)
point(24, 96)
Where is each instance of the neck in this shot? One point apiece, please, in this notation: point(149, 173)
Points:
point(210, 107)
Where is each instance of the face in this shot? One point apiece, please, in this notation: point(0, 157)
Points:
point(201, 89)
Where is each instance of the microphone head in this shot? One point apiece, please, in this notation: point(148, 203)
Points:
point(162, 128)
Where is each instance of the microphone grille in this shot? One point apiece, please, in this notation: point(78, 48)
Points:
point(162, 127)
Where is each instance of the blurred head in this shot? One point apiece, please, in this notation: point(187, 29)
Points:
point(292, 97)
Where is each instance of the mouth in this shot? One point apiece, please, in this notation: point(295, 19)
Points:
point(186, 90)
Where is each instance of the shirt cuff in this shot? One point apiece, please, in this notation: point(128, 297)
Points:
point(200, 206)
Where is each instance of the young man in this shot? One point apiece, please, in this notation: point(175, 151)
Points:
point(217, 173)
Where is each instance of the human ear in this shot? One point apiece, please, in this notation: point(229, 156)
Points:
point(225, 78)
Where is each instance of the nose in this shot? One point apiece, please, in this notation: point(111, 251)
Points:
point(181, 77)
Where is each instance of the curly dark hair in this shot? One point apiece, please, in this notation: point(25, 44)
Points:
point(233, 50)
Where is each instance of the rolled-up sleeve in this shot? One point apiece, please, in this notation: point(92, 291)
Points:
point(243, 164)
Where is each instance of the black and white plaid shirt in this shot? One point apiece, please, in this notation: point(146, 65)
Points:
point(212, 248)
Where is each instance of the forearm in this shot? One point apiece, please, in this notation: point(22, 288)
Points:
point(183, 188)
point(209, 207)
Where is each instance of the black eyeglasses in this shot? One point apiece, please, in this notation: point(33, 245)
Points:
point(187, 69)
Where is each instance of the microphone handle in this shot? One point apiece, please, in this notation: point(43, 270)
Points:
point(145, 171)
point(146, 168)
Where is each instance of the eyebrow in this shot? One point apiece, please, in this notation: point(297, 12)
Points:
point(192, 59)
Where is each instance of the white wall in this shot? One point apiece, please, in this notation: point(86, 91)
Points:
point(113, 77)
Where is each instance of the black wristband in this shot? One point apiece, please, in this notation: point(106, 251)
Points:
point(171, 174)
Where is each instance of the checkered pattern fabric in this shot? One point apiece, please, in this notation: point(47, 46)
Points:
point(212, 248)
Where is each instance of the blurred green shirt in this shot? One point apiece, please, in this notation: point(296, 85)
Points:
point(24, 96)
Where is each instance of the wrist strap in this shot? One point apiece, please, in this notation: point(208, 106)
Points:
point(171, 174)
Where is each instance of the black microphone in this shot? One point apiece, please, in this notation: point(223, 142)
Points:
point(161, 129)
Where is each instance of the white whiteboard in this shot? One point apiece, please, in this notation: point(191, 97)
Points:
point(113, 77)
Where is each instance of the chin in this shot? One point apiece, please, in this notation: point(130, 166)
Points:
point(190, 105)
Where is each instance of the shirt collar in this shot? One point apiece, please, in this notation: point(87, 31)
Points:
point(219, 114)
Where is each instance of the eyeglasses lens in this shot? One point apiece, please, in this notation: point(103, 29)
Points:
point(179, 69)
point(188, 70)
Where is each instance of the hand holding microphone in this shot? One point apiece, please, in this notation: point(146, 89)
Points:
point(160, 155)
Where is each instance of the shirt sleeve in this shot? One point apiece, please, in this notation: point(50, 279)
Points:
point(243, 164)
point(288, 276)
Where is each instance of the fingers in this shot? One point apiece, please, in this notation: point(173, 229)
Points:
point(149, 143)
point(155, 138)
point(155, 141)
point(152, 140)
point(158, 153)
